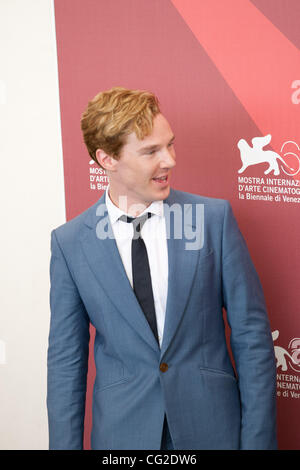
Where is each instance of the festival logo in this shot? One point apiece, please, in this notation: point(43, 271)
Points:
point(98, 179)
point(287, 363)
point(256, 154)
point(287, 359)
point(275, 186)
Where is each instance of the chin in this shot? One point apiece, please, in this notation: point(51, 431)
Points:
point(157, 195)
point(164, 193)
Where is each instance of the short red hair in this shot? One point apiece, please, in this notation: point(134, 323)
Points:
point(113, 114)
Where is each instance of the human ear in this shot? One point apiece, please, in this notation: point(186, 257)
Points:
point(106, 161)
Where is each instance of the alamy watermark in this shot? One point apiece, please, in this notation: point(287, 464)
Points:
point(183, 222)
point(296, 94)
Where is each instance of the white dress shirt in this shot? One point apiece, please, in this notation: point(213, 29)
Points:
point(155, 238)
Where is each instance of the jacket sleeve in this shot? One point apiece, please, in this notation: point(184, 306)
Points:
point(251, 339)
point(67, 356)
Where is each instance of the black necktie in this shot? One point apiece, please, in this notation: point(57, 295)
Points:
point(142, 285)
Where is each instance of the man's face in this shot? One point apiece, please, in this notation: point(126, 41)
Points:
point(142, 173)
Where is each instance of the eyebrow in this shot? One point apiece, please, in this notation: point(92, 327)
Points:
point(153, 146)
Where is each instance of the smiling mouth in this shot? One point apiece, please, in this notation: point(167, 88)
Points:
point(161, 179)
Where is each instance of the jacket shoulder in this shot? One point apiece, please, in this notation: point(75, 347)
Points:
point(69, 230)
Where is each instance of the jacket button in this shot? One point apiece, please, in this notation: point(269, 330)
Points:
point(163, 367)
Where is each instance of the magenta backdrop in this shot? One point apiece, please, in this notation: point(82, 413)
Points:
point(223, 71)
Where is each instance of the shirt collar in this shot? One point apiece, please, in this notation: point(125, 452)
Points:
point(156, 207)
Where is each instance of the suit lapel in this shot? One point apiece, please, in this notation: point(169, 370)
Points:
point(182, 265)
point(105, 262)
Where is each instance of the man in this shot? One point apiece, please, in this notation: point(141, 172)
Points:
point(152, 268)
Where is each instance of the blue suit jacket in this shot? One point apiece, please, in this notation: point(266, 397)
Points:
point(207, 405)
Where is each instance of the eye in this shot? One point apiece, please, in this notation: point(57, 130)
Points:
point(151, 152)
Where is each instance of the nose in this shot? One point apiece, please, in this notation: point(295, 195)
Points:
point(168, 158)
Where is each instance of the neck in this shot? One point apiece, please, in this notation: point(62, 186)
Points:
point(124, 203)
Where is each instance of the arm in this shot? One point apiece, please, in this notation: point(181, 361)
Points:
point(67, 356)
point(251, 340)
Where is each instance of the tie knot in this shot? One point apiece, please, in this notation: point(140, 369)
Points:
point(137, 222)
